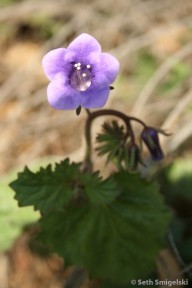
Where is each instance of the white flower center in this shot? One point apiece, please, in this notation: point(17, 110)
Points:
point(81, 76)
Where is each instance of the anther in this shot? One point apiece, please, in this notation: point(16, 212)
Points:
point(81, 76)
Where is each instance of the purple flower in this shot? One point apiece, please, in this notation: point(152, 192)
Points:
point(80, 75)
point(150, 137)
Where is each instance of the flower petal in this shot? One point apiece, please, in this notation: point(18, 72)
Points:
point(84, 44)
point(99, 80)
point(62, 99)
point(95, 97)
point(53, 62)
point(109, 66)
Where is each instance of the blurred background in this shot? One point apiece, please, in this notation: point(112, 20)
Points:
point(153, 42)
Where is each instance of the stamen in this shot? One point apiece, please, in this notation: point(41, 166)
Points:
point(81, 76)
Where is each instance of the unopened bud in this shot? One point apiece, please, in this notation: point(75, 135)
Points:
point(134, 158)
point(151, 139)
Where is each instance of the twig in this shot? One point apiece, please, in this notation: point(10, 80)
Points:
point(186, 268)
point(180, 137)
point(174, 249)
point(148, 38)
point(158, 76)
point(177, 110)
point(25, 9)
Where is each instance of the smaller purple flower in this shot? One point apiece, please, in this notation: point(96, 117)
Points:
point(80, 75)
point(150, 137)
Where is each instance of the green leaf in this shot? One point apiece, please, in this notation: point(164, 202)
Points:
point(98, 191)
point(54, 189)
point(112, 140)
point(117, 241)
point(47, 189)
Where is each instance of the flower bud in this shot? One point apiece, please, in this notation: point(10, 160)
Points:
point(133, 155)
point(151, 139)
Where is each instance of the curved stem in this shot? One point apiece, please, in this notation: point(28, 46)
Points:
point(106, 112)
point(137, 120)
point(88, 111)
